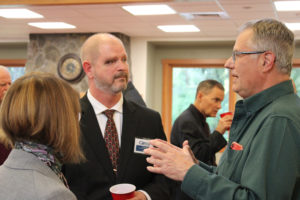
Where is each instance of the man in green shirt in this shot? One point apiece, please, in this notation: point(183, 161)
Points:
point(262, 160)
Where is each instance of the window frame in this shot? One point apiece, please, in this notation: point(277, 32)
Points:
point(13, 62)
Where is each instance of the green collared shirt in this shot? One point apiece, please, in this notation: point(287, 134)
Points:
point(267, 126)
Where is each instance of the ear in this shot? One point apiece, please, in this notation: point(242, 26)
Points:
point(199, 95)
point(87, 67)
point(269, 61)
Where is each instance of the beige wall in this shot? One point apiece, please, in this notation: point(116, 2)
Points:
point(13, 50)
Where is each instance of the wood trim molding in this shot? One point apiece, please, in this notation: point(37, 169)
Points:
point(70, 2)
point(13, 62)
point(296, 62)
point(167, 98)
point(168, 65)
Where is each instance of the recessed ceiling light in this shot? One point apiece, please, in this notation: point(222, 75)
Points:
point(149, 10)
point(287, 5)
point(52, 25)
point(293, 26)
point(179, 28)
point(19, 13)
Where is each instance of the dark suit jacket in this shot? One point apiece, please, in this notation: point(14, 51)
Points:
point(133, 95)
point(191, 125)
point(91, 180)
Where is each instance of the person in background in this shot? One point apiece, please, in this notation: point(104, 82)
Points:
point(5, 82)
point(113, 129)
point(262, 160)
point(131, 94)
point(39, 115)
point(191, 125)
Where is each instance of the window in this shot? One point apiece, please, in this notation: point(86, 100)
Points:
point(16, 72)
point(185, 82)
point(16, 67)
point(296, 77)
point(180, 80)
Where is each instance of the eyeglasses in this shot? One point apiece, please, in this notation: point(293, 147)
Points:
point(236, 53)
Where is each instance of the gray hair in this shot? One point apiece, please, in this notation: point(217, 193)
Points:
point(207, 85)
point(272, 35)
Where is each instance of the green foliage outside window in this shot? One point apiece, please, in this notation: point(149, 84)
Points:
point(16, 72)
point(295, 75)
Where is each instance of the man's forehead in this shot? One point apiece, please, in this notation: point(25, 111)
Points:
point(243, 39)
point(5, 77)
point(110, 48)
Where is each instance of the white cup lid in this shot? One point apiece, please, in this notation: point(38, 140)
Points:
point(122, 188)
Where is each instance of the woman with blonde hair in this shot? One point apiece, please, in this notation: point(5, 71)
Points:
point(39, 116)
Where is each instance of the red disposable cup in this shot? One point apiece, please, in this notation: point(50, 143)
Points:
point(122, 191)
point(225, 114)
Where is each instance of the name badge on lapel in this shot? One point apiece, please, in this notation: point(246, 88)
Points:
point(140, 144)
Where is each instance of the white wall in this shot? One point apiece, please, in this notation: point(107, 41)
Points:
point(138, 49)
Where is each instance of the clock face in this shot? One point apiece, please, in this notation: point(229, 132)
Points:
point(70, 68)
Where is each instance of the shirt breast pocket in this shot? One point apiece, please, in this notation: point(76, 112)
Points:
point(232, 165)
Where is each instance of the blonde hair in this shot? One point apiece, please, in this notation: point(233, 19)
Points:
point(42, 108)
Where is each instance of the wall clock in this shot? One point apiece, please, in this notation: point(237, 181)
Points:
point(69, 68)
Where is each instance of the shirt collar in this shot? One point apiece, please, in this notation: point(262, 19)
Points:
point(197, 112)
point(99, 107)
point(260, 100)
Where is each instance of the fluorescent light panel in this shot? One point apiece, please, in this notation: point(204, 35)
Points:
point(293, 26)
point(19, 13)
point(287, 5)
point(179, 28)
point(149, 10)
point(52, 25)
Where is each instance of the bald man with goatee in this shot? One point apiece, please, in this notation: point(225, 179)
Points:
point(113, 156)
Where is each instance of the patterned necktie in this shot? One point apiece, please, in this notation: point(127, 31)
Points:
point(111, 138)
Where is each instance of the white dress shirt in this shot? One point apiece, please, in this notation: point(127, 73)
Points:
point(101, 117)
point(118, 118)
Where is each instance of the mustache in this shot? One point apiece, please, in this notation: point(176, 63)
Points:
point(121, 75)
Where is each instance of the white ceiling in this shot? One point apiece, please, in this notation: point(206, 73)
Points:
point(112, 18)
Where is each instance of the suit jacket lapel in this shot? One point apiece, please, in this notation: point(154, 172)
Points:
point(93, 136)
point(127, 140)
